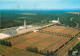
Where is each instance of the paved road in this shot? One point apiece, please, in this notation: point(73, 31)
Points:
point(71, 48)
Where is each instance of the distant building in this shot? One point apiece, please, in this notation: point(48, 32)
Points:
point(29, 26)
point(55, 21)
point(36, 30)
point(74, 53)
point(10, 32)
point(78, 13)
point(24, 23)
point(22, 27)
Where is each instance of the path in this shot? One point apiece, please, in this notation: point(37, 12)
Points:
point(71, 48)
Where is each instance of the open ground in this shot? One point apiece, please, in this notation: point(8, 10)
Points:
point(53, 38)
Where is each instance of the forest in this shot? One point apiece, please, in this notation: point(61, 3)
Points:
point(13, 18)
point(75, 49)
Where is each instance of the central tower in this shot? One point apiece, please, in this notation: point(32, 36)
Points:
point(24, 23)
point(58, 19)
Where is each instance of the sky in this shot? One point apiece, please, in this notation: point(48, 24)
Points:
point(39, 4)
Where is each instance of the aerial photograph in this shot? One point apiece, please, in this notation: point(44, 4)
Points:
point(39, 27)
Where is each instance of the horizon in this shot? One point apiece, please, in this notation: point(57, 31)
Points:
point(52, 10)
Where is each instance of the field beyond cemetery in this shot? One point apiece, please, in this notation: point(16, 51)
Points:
point(52, 38)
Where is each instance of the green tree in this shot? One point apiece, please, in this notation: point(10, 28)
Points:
point(70, 52)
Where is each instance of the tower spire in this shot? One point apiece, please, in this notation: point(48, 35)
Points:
point(78, 13)
point(24, 23)
point(58, 18)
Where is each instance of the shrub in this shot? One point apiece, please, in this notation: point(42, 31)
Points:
point(5, 43)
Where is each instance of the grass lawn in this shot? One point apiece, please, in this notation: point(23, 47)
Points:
point(10, 51)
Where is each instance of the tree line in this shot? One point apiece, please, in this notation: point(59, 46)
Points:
point(35, 50)
point(3, 42)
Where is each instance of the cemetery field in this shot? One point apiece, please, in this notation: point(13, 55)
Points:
point(42, 41)
point(52, 38)
point(61, 30)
